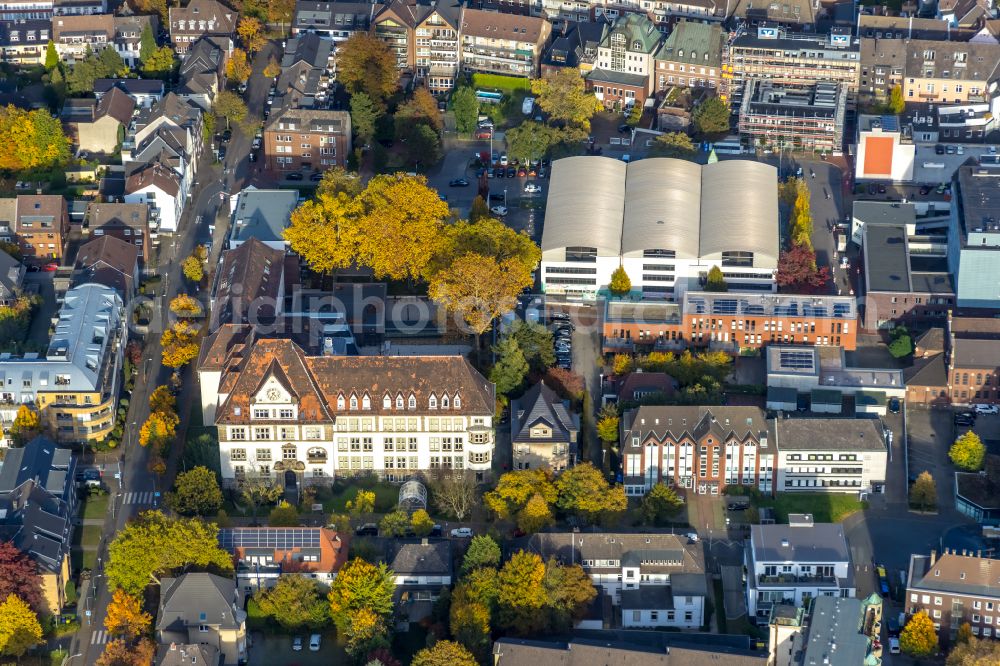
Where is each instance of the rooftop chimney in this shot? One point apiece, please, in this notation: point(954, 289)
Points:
point(933, 557)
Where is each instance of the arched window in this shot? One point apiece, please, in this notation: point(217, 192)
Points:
point(399, 402)
point(444, 402)
point(354, 402)
point(432, 402)
point(340, 401)
point(386, 402)
point(366, 402)
point(412, 403)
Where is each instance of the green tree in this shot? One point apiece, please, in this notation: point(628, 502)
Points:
point(196, 492)
point(395, 524)
point(896, 103)
point(901, 346)
point(363, 502)
point(160, 64)
point(19, 627)
point(919, 638)
point(531, 140)
point(923, 492)
point(634, 115)
point(674, 144)
point(584, 491)
point(444, 653)
point(465, 106)
point(295, 603)
point(421, 523)
point(421, 144)
point(968, 452)
point(284, 515)
point(51, 56)
point(483, 552)
point(147, 44)
point(364, 115)
point(565, 98)
point(716, 281)
point(620, 284)
point(521, 596)
point(511, 367)
point(230, 107)
point(660, 504)
point(569, 592)
point(153, 545)
point(711, 118)
point(535, 343)
point(361, 604)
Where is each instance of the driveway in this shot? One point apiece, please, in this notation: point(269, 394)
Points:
point(276, 649)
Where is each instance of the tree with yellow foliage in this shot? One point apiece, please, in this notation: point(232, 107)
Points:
point(480, 289)
point(193, 269)
point(444, 653)
point(272, 69)
point(158, 429)
point(238, 66)
point(31, 139)
point(183, 305)
point(361, 604)
point(162, 401)
point(118, 653)
point(326, 231)
point(180, 344)
point(26, 424)
point(125, 617)
point(251, 32)
point(19, 627)
point(919, 638)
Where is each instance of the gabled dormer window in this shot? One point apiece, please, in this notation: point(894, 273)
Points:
point(444, 402)
point(340, 402)
point(366, 402)
point(432, 403)
point(412, 403)
point(386, 402)
point(458, 401)
point(354, 402)
point(399, 402)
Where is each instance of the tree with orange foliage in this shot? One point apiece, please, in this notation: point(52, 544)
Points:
point(119, 653)
point(238, 66)
point(180, 344)
point(125, 616)
point(251, 32)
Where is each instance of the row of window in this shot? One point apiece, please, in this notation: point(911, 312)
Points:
point(445, 402)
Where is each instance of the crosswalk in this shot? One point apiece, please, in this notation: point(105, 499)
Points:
point(139, 498)
point(99, 637)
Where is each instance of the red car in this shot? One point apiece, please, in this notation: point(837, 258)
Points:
point(50, 267)
point(522, 172)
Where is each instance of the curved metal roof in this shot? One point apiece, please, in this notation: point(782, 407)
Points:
point(662, 207)
point(585, 206)
point(739, 210)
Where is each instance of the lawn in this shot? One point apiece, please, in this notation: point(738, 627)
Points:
point(386, 496)
point(88, 536)
point(824, 507)
point(83, 559)
point(95, 506)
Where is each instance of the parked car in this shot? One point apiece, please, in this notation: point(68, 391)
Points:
point(499, 172)
point(872, 188)
point(883, 579)
point(893, 645)
point(987, 409)
point(497, 196)
point(939, 149)
point(297, 644)
point(925, 189)
point(462, 533)
point(511, 172)
point(368, 529)
point(623, 128)
point(965, 418)
point(881, 189)
point(894, 405)
point(294, 176)
point(227, 135)
point(316, 177)
point(503, 159)
point(892, 627)
point(458, 182)
point(561, 316)
point(484, 133)
point(314, 641)
point(522, 172)
point(256, 143)
point(52, 267)
point(736, 506)
point(436, 531)
point(499, 210)
point(532, 188)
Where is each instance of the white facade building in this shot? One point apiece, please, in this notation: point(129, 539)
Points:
point(830, 455)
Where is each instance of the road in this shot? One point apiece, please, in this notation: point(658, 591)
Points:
point(139, 489)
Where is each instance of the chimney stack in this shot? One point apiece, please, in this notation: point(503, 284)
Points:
point(933, 557)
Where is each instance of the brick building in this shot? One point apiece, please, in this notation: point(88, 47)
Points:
point(307, 140)
point(955, 589)
point(41, 225)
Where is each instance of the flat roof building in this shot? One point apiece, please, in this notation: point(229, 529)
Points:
point(974, 235)
point(800, 117)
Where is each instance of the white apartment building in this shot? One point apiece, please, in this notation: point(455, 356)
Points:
point(795, 562)
point(305, 419)
point(830, 455)
point(653, 580)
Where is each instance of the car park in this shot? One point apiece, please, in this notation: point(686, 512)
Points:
point(499, 210)
point(458, 182)
point(987, 409)
point(462, 533)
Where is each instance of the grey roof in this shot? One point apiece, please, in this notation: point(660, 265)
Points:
point(129, 86)
point(429, 557)
point(820, 542)
point(622, 78)
point(658, 553)
point(540, 403)
point(323, 15)
point(835, 633)
point(887, 260)
point(927, 372)
point(678, 421)
point(11, 274)
point(198, 598)
point(979, 195)
point(35, 461)
point(263, 214)
point(662, 203)
point(194, 654)
point(691, 41)
point(310, 49)
point(648, 597)
point(826, 434)
point(975, 354)
point(630, 648)
point(955, 573)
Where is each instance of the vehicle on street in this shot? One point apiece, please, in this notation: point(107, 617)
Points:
point(499, 210)
point(511, 172)
point(735, 506)
point(527, 105)
point(368, 529)
point(458, 182)
point(692, 537)
point(462, 533)
point(253, 156)
point(503, 159)
point(294, 176)
point(222, 153)
point(50, 267)
point(559, 316)
point(892, 627)
point(242, 88)
point(436, 531)
point(297, 644)
point(883, 579)
point(256, 143)
point(314, 641)
point(939, 149)
point(532, 188)
point(987, 409)
point(893, 645)
point(894, 405)
point(316, 177)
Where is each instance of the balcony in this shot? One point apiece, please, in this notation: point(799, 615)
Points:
point(619, 344)
point(791, 579)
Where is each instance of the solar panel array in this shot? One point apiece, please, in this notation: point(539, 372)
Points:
point(796, 360)
point(282, 538)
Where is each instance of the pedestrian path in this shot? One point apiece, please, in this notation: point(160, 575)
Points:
point(99, 637)
point(140, 498)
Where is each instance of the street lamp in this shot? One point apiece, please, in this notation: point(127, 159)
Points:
point(67, 658)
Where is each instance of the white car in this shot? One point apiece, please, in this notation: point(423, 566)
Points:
point(499, 210)
point(692, 537)
point(987, 409)
point(532, 188)
point(893, 645)
point(256, 143)
point(297, 644)
point(503, 159)
point(462, 533)
point(314, 641)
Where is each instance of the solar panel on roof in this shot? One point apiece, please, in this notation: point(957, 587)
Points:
point(724, 306)
point(282, 539)
point(841, 309)
point(796, 360)
point(890, 124)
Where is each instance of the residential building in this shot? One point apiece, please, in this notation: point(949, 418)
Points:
point(798, 15)
point(249, 285)
point(394, 23)
point(75, 386)
point(307, 66)
point(955, 589)
point(977, 494)
point(8, 218)
point(170, 112)
point(262, 214)
point(792, 58)
point(306, 140)
point(503, 43)
point(279, 409)
point(335, 21)
point(145, 92)
point(159, 187)
point(691, 57)
point(111, 262)
point(202, 608)
point(125, 221)
point(651, 648)
point(25, 10)
point(796, 562)
point(23, 41)
point(263, 554)
point(128, 35)
point(437, 51)
point(653, 580)
point(651, 217)
point(885, 150)
point(965, 13)
point(702, 448)
point(167, 147)
point(11, 276)
point(200, 18)
point(830, 630)
point(41, 226)
point(623, 75)
point(575, 45)
point(543, 432)
point(903, 284)
point(974, 371)
point(822, 371)
point(421, 570)
point(38, 500)
point(830, 455)
point(911, 27)
point(809, 117)
point(202, 72)
point(974, 235)
point(77, 34)
point(69, 7)
point(96, 126)
point(730, 322)
point(184, 654)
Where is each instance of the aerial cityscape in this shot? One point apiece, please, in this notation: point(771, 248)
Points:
point(500, 332)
